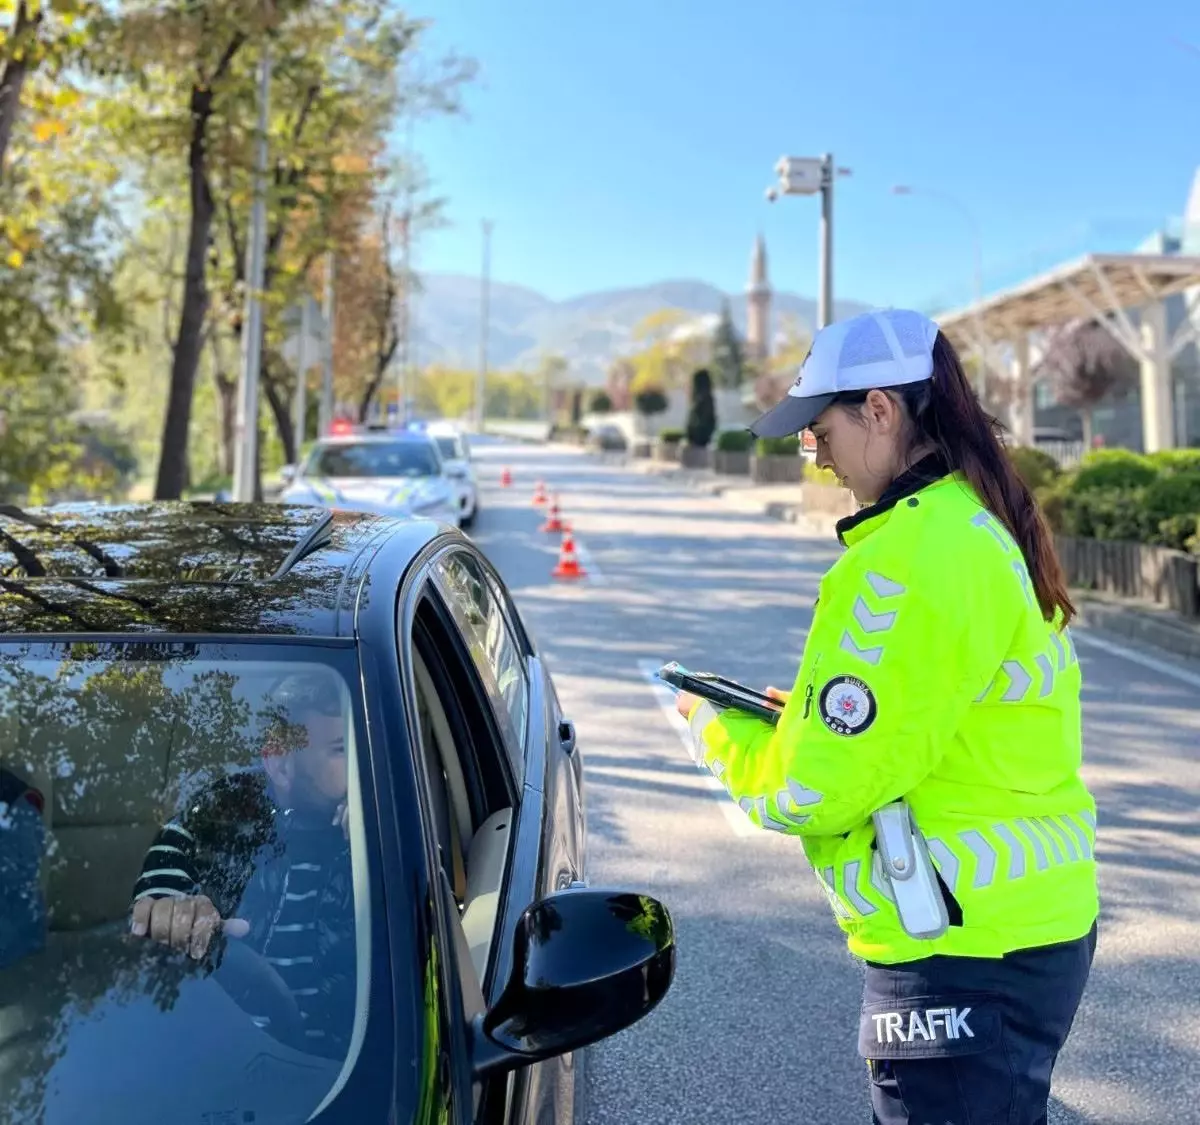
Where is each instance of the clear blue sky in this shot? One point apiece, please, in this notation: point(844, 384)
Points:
point(631, 141)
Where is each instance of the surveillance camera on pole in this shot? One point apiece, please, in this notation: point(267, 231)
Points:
point(810, 175)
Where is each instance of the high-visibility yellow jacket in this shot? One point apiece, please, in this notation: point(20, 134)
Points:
point(929, 675)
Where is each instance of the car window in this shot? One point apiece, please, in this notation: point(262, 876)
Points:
point(496, 655)
point(450, 448)
point(145, 791)
point(374, 459)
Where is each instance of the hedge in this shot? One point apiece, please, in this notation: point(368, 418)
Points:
point(671, 435)
point(777, 447)
point(734, 441)
point(1119, 495)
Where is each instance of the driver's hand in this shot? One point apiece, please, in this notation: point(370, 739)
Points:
point(187, 924)
point(782, 696)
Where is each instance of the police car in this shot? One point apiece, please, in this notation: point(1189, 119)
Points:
point(388, 472)
point(456, 456)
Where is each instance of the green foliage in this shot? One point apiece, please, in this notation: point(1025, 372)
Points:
point(726, 361)
point(815, 475)
point(671, 436)
point(702, 414)
point(1034, 466)
point(601, 403)
point(778, 447)
point(735, 441)
point(1173, 460)
point(1113, 468)
point(651, 401)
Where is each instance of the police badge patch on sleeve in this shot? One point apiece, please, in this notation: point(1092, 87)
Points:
point(846, 705)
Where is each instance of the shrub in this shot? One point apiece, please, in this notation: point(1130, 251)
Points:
point(1175, 460)
point(1174, 494)
point(1034, 466)
point(1052, 499)
point(735, 441)
point(1114, 468)
point(601, 403)
point(670, 435)
point(649, 402)
point(778, 447)
point(1179, 532)
point(1108, 513)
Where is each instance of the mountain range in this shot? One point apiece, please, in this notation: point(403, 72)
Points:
point(589, 331)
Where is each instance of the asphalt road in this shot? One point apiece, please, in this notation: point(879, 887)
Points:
point(761, 1022)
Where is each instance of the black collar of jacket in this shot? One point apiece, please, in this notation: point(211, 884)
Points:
point(930, 468)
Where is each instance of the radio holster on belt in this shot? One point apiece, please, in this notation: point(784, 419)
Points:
point(909, 873)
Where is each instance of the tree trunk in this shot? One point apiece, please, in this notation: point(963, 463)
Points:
point(227, 413)
point(1085, 416)
point(172, 462)
point(283, 420)
point(12, 79)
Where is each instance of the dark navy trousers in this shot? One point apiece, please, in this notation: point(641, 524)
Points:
point(967, 1040)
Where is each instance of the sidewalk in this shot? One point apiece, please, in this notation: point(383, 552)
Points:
point(1151, 625)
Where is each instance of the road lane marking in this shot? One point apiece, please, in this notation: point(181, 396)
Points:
point(1192, 679)
point(738, 821)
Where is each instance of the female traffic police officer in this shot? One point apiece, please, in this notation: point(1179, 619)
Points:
point(929, 754)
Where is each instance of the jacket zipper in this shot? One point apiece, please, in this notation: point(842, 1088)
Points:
point(808, 691)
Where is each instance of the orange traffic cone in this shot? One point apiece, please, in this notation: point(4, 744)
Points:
point(568, 561)
point(554, 519)
point(539, 495)
point(506, 477)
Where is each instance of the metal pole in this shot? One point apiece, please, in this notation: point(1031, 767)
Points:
point(825, 299)
point(404, 384)
point(326, 411)
point(481, 378)
point(245, 462)
point(300, 402)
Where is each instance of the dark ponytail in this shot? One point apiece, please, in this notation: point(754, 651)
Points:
point(947, 414)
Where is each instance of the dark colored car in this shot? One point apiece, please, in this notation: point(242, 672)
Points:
point(291, 829)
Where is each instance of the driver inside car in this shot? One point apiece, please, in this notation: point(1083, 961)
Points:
point(262, 857)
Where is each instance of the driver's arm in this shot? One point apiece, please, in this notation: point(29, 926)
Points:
point(173, 898)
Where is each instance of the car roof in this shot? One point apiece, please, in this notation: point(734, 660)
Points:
point(191, 567)
point(357, 437)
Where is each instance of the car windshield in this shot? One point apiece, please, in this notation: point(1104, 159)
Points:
point(182, 868)
point(451, 448)
point(374, 459)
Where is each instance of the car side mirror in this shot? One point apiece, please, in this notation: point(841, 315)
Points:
point(586, 964)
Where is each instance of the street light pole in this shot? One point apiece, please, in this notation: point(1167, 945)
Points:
point(245, 463)
point(327, 311)
point(810, 175)
point(484, 296)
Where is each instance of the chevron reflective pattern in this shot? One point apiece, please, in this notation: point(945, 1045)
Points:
point(870, 622)
point(1013, 849)
point(1019, 678)
point(1006, 850)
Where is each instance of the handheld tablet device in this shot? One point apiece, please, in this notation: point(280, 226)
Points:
point(721, 692)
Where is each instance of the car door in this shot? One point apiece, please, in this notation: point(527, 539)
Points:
point(479, 695)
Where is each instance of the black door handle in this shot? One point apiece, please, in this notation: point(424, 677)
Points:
point(566, 735)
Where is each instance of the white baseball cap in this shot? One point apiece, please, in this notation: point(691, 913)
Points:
point(889, 348)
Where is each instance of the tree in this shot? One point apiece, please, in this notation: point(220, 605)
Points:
point(702, 415)
point(648, 403)
point(552, 370)
point(727, 352)
point(601, 403)
point(1086, 364)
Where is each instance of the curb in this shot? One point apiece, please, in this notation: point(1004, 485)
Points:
point(1139, 625)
